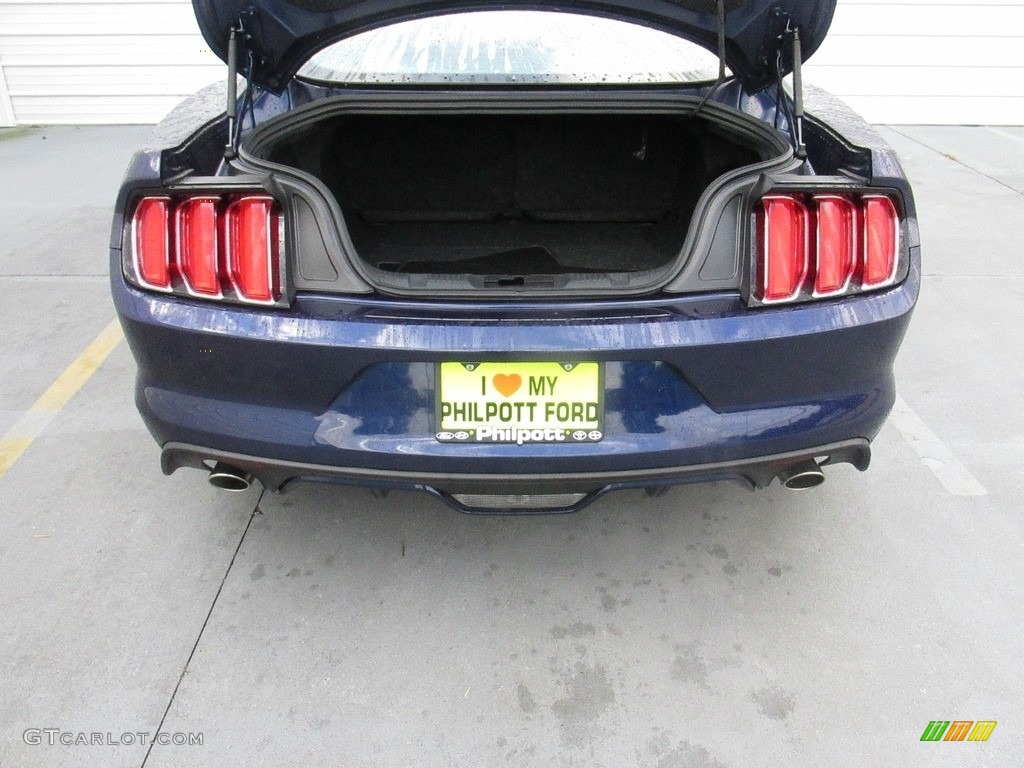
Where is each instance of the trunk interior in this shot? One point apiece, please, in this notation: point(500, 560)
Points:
point(516, 195)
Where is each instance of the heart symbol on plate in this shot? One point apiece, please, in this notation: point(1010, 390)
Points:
point(507, 385)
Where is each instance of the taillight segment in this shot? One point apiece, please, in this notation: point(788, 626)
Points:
point(198, 247)
point(836, 244)
point(786, 231)
point(881, 241)
point(151, 243)
point(822, 245)
point(252, 258)
point(209, 246)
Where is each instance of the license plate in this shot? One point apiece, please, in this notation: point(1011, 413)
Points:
point(520, 403)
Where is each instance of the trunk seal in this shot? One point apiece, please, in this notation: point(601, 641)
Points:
point(720, 191)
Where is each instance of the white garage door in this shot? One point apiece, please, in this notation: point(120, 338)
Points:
point(81, 61)
point(910, 61)
point(927, 61)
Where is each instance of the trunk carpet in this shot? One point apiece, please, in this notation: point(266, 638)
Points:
point(516, 247)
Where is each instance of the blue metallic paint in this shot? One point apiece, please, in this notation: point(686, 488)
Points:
point(349, 382)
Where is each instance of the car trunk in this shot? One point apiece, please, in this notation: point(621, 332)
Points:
point(510, 196)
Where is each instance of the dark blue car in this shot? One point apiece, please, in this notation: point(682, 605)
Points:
point(514, 257)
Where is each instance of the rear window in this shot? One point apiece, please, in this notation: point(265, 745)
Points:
point(509, 47)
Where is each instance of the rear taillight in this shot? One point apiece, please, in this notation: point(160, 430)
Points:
point(208, 246)
point(824, 245)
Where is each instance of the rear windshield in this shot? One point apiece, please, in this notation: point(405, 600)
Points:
point(509, 47)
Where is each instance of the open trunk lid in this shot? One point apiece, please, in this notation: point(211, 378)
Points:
point(282, 34)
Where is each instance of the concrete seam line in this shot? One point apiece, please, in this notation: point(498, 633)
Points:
point(953, 158)
point(202, 629)
point(37, 418)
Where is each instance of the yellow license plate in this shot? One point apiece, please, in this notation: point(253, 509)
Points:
point(520, 402)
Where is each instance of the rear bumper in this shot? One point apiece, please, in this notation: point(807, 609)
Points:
point(756, 472)
point(342, 388)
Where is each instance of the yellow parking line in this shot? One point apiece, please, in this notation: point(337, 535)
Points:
point(10, 450)
point(32, 423)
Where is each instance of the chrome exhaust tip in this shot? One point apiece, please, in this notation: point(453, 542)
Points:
point(229, 478)
point(801, 476)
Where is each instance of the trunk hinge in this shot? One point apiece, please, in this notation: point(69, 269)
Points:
point(788, 46)
point(232, 105)
point(241, 59)
point(798, 96)
point(720, 18)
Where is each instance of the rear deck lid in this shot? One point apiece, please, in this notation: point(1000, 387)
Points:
point(282, 34)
